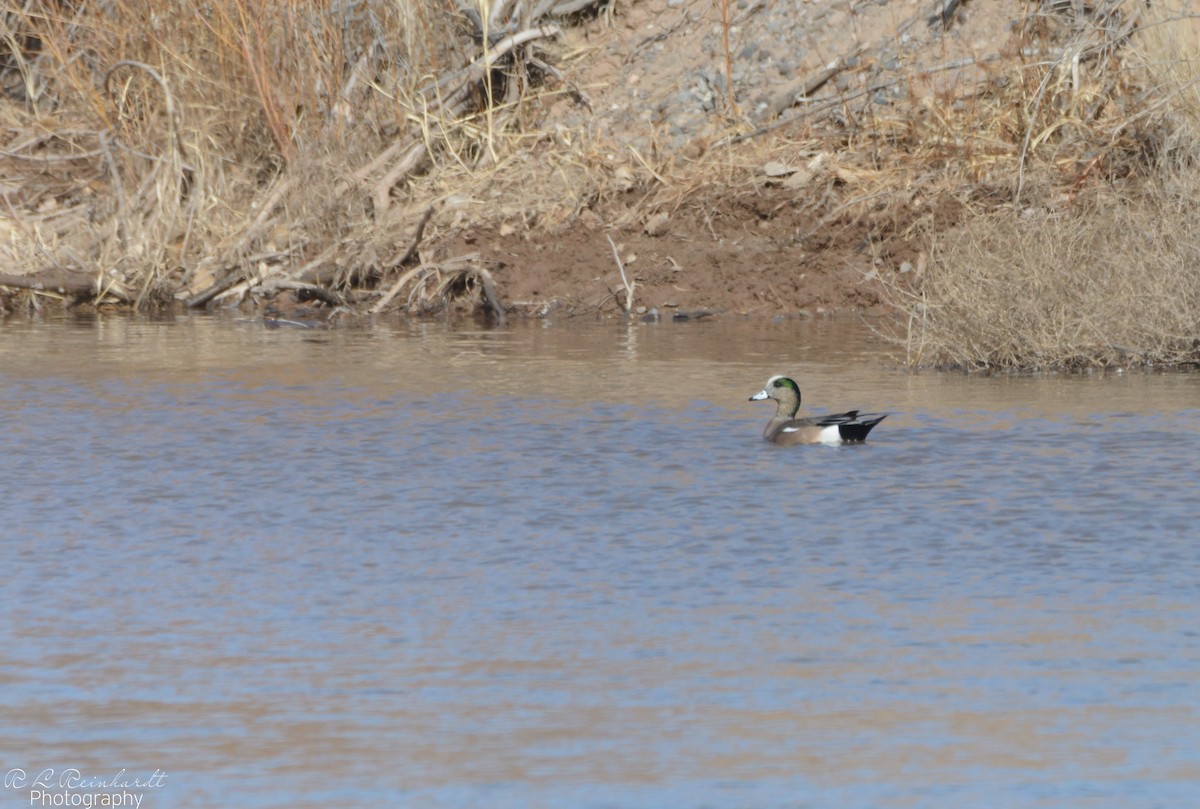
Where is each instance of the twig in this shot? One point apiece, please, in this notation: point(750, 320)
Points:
point(119, 191)
point(494, 54)
point(272, 202)
point(1031, 117)
point(395, 288)
point(403, 258)
point(174, 117)
point(629, 285)
point(489, 294)
point(646, 165)
point(943, 12)
point(383, 189)
point(800, 91)
point(61, 158)
point(811, 113)
point(733, 111)
point(214, 289)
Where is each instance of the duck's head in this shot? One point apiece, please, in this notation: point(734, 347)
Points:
point(783, 390)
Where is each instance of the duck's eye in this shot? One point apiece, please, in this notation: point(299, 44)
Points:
point(779, 383)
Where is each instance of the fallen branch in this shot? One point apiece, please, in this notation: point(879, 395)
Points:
point(402, 259)
point(218, 287)
point(321, 293)
point(453, 105)
point(494, 54)
point(395, 288)
point(800, 91)
point(489, 294)
point(311, 272)
point(64, 284)
point(272, 202)
point(383, 189)
point(434, 286)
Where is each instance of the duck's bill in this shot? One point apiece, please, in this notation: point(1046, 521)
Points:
point(762, 394)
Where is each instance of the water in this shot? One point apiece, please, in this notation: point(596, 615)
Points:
point(555, 566)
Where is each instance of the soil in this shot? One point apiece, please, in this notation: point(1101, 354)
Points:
point(788, 158)
point(737, 263)
point(655, 79)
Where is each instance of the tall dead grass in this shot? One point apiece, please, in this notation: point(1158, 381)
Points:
point(160, 150)
point(1081, 254)
point(1110, 284)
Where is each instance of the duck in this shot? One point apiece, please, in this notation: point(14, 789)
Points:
point(785, 429)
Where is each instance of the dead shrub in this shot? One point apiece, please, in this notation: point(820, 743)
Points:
point(159, 149)
point(1112, 283)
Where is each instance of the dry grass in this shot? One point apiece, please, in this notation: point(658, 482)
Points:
point(1079, 256)
point(1110, 284)
point(154, 152)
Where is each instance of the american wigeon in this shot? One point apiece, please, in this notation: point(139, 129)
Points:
point(836, 428)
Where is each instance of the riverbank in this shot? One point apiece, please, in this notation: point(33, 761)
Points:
point(634, 157)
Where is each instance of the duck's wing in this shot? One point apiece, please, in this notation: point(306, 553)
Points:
point(851, 426)
point(849, 417)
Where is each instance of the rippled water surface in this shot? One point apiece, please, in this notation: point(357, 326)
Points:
point(556, 566)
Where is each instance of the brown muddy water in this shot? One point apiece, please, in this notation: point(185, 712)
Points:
point(555, 566)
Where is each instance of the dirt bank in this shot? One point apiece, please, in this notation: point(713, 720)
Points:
point(746, 203)
point(736, 260)
point(750, 157)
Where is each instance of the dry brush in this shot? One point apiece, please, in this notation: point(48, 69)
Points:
point(160, 151)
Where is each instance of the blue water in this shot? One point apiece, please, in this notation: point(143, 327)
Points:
point(558, 567)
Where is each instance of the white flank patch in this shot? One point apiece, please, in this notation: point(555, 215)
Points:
point(830, 435)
